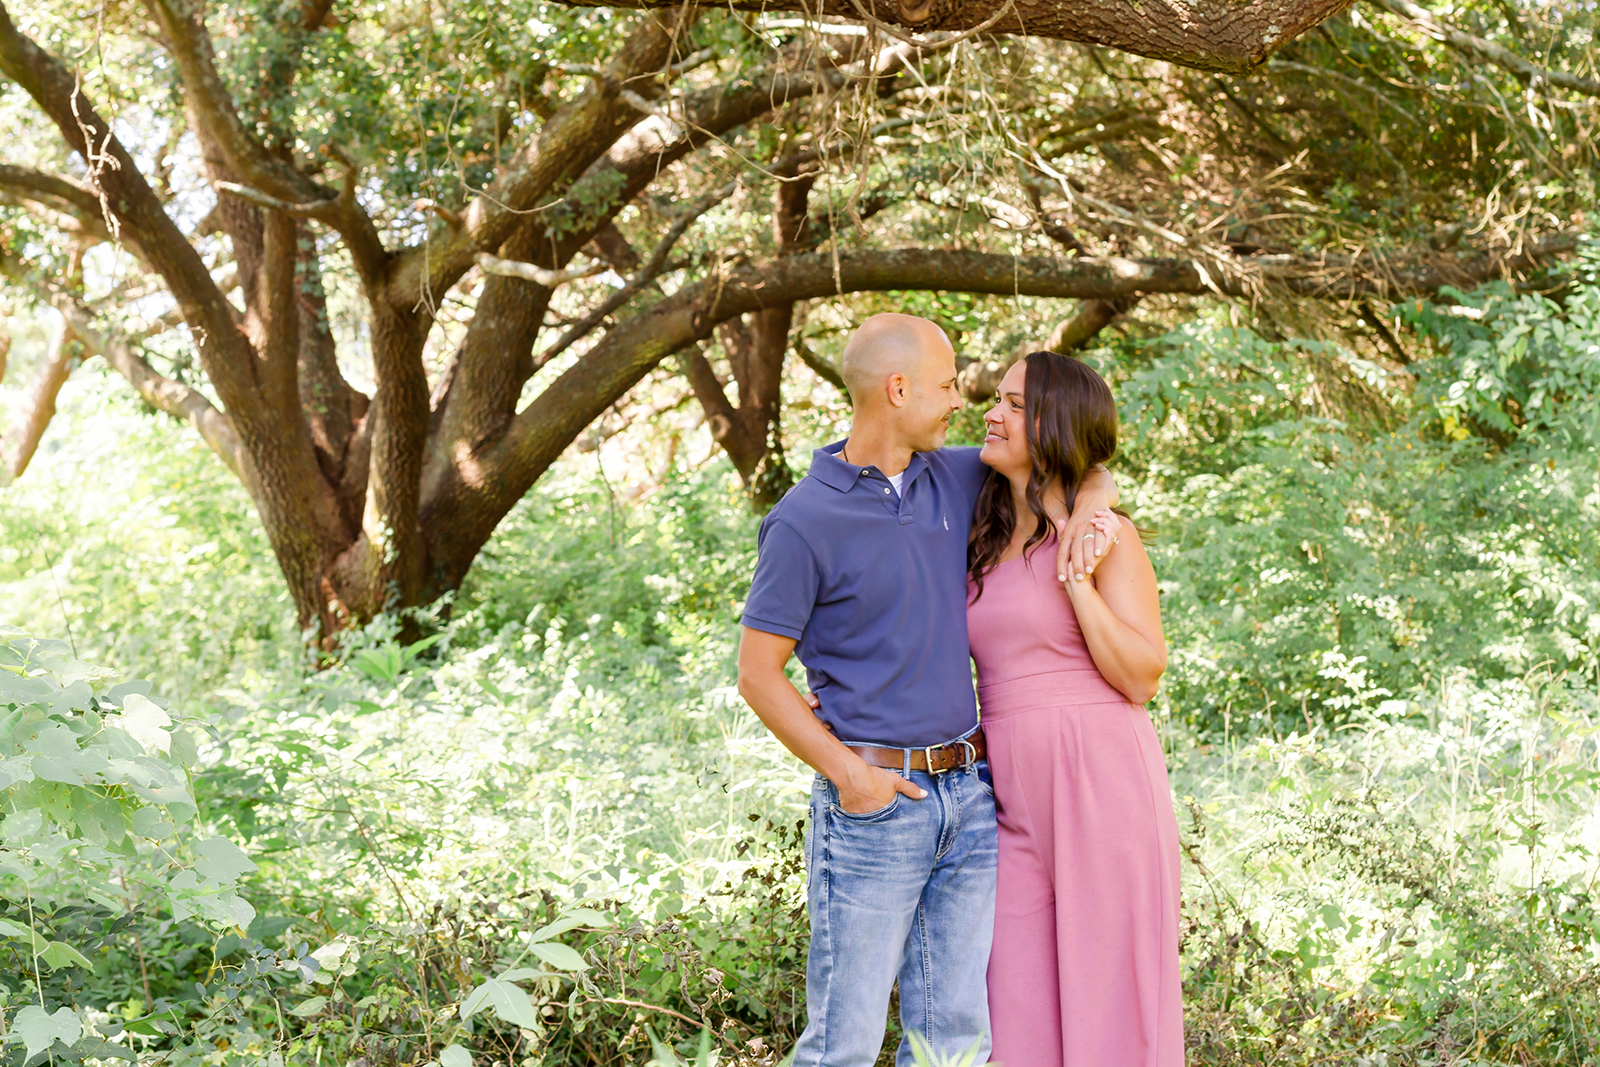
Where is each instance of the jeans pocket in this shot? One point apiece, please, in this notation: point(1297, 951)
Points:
point(985, 779)
point(867, 816)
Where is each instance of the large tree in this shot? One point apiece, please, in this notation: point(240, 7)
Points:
point(533, 206)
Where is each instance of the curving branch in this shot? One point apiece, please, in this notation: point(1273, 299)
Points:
point(157, 390)
point(529, 272)
point(543, 428)
point(1218, 35)
point(53, 190)
point(139, 213)
point(1476, 47)
point(637, 281)
point(38, 406)
point(567, 143)
point(272, 180)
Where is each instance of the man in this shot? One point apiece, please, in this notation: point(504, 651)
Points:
point(862, 568)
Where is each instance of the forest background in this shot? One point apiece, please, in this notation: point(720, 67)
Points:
point(395, 388)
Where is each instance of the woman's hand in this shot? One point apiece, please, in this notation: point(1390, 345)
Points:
point(1081, 544)
point(1119, 614)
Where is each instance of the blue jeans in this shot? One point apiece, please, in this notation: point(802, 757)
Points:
point(904, 892)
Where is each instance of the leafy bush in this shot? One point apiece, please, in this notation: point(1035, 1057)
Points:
point(97, 826)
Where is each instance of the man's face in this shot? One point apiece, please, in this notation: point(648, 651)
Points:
point(931, 394)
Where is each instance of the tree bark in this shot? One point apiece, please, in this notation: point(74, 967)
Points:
point(1219, 35)
point(39, 405)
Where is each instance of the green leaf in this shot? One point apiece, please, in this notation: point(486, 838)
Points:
point(570, 920)
point(18, 690)
point(221, 860)
point(455, 1056)
point(59, 954)
point(509, 1002)
point(559, 956)
point(147, 722)
point(39, 1029)
point(309, 1007)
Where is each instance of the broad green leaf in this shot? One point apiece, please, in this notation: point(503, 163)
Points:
point(309, 1007)
point(559, 956)
point(18, 690)
point(15, 770)
point(38, 1029)
point(568, 921)
point(455, 1056)
point(522, 974)
point(147, 722)
point(59, 954)
point(509, 1002)
point(221, 860)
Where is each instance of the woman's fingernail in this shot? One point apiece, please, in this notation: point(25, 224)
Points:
point(922, 794)
point(1061, 577)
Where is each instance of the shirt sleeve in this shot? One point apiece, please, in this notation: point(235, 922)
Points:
point(784, 589)
point(969, 470)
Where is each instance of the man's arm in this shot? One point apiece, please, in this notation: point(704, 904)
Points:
point(778, 704)
point(1080, 543)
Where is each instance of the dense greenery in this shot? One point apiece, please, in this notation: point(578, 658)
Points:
point(547, 832)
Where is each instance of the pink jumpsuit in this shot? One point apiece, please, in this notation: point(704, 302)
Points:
point(1085, 965)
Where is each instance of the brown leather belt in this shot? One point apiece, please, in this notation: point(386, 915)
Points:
point(935, 759)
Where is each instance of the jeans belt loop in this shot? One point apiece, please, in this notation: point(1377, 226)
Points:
point(905, 770)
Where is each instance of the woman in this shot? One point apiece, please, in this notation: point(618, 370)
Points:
point(1085, 965)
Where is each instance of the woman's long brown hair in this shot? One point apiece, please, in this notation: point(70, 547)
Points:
point(1071, 422)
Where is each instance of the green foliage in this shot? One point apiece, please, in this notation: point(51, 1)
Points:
point(1324, 544)
point(97, 824)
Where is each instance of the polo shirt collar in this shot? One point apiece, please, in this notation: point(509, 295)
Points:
point(830, 470)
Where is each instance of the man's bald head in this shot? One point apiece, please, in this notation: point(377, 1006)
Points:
point(901, 373)
point(888, 344)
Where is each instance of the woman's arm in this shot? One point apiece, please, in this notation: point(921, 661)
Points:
point(1080, 544)
point(1119, 612)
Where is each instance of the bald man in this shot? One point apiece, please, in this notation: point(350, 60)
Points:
point(862, 573)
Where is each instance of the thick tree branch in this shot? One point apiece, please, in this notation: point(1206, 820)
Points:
point(139, 212)
point(979, 380)
point(658, 260)
point(1476, 47)
point(54, 191)
point(566, 144)
point(159, 391)
point(542, 429)
point(274, 180)
point(1219, 35)
point(38, 406)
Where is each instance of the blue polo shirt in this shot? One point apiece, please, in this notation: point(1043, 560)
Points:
point(872, 586)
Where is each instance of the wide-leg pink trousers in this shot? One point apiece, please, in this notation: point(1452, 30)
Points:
point(1085, 965)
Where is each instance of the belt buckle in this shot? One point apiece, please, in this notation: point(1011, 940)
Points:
point(972, 757)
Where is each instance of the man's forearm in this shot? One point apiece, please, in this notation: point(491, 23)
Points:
point(781, 708)
point(1099, 482)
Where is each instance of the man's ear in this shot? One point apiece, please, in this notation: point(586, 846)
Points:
point(898, 389)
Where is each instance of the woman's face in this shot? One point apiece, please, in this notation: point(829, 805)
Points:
point(1005, 447)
